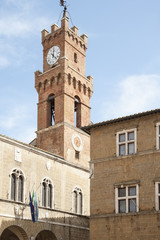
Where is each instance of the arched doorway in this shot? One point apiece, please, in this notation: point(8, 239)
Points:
point(46, 235)
point(14, 233)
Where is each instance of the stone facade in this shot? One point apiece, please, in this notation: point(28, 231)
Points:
point(37, 165)
point(134, 214)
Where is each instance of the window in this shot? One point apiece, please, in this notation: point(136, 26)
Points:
point(17, 185)
point(158, 136)
point(126, 199)
point(76, 154)
point(157, 195)
point(51, 110)
point(126, 142)
point(77, 199)
point(47, 193)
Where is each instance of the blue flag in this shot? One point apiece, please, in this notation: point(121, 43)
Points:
point(32, 208)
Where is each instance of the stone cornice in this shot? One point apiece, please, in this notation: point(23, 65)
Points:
point(106, 159)
point(41, 152)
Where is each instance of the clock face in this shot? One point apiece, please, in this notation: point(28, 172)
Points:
point(77, 142)
point(53, 55)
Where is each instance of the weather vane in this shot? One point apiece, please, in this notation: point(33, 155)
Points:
point(63, 4)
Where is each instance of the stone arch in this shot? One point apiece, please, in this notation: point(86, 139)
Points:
point(52, 81)
point(79, 85)
point(74, 82)
point(72, 37)
point(89, 92)
point(45, 84)
point(14, 232)
point(39, 86)
point(45, 235)
point(58, 78)
point(76, 40)
point(68, 33)
point(69, 79)
point(84, 89)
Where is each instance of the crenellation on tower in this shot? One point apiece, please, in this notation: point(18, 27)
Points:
point(54, 28)
point(65, 23)
point(44, 33)
point(75, 30)
point(84, 37)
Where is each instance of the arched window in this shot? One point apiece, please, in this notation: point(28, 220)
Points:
point(77, 112)
point(17, 185)
point(77, 201)
point(51, 110)
point(47, 193)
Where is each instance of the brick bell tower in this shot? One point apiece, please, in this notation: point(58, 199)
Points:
point(64, 94)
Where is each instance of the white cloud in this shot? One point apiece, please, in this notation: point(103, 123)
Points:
point(134, 94)
point(15, 26)
point(3, 62)
point(18, 18)
point(18, 123)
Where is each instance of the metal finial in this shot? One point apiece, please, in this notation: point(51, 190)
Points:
point(63, 4)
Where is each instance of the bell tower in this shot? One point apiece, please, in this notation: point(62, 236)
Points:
point(64, 94)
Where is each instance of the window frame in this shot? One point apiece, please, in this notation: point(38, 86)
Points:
point(157, 196)
point(78, 206)
point(126, 198)
point(126, 142)
point(18, 173)
point(46, 182)
point(158, 136)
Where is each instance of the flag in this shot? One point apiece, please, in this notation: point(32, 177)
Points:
point(32, 208)
point(36, 207)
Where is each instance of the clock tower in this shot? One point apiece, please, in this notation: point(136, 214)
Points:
point(64, 94)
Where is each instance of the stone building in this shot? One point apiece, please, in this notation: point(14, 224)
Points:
point(56, 164)
point(125, 181)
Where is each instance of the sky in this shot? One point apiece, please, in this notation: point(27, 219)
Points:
point(123, 57)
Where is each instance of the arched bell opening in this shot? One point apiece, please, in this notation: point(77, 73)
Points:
point(77, 112)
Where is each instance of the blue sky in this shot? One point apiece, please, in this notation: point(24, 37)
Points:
point(123, 56)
